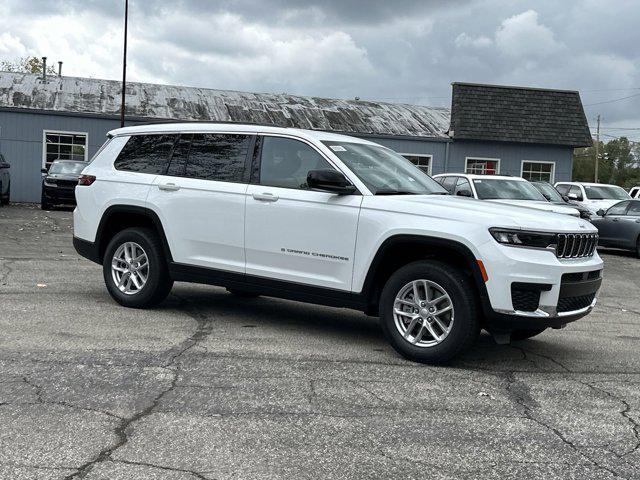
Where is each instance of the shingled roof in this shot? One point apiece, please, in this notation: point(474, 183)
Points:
point(157, 102)
point(518, 114)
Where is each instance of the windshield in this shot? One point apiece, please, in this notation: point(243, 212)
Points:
point(548, 189)
point(605, 192)
point(71, 168)
point(498, 188)
point(383, 171)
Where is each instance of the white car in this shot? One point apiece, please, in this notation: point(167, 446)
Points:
point(500, 189)
point(594, 196)
point(327, 219)
point(634, 192)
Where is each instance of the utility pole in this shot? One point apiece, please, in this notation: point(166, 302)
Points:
point(597, 149)
point(124, 62)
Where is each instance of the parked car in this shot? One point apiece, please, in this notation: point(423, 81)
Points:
point(500, 189)
point(328, 219)
point(5, 181)
point(619, 226)
point(552, 195)
point(594, 196)
point(59, 183)
point(634, 192)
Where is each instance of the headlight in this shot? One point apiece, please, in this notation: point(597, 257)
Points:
point(522, 238)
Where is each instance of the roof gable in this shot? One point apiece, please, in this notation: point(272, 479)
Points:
point(518, 114)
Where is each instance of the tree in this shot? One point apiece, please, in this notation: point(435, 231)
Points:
point(619, 163)
point(26, 65)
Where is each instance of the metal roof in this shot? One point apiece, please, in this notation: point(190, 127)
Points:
point(152, 101)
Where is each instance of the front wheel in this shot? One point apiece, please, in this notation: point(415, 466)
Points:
point(5, 200)
point(135, 269)
point(428, 312)
point(638, 248)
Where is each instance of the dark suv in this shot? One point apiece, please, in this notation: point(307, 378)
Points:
point(5, 181)
point(59, 183)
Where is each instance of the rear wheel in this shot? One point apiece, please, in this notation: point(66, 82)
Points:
point(135, 269)
point(524, 334)
point(428, 312)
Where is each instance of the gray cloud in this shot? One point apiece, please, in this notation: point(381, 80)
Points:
point(402, 51)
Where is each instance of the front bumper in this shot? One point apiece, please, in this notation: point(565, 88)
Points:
point(55, 194)
point(566, 289)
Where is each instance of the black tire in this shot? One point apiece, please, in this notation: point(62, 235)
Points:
point(44, 204)
point(638, 247)
point(518, 335)
point(242, 293)
point(466, 325)
point(7, 199)
point(158, 284)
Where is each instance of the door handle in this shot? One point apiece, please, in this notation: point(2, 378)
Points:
point(168, 187)
point(265, 197)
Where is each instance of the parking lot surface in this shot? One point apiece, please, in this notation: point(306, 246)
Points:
point(212, 386)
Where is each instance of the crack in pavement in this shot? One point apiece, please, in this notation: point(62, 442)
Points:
point(163, 467)
point(8, 271)
point(203, 329)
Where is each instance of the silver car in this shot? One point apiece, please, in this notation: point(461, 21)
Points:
point(619, 226)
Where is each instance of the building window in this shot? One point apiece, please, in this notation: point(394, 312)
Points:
point(423, 162)
point(538, 171)
point(64, 146)
point(482, 166)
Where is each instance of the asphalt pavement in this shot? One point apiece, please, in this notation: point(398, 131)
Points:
point(212, 386)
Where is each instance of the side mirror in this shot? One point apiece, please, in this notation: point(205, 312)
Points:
point(43, 170)
point(572, 196)
point(565, 198)
point(330, 181)
point(464, 193)
point(600, 213)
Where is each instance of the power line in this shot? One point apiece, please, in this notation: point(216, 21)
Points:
point(612, 100)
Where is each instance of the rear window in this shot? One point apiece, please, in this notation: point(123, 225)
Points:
point(146, 154)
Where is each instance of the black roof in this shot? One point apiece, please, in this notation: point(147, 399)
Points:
point(518, 114)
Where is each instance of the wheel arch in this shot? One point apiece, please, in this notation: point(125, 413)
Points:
point(118, 217)
point(401, 249)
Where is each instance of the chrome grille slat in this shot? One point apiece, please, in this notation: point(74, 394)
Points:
point(576, 245)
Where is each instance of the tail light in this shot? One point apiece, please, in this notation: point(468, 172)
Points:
point(86, 180)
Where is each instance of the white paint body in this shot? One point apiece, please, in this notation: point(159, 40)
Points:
point(591, 204)
point(318, 238)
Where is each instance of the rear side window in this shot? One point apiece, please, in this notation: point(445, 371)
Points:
point(449, 183)
point(563, 189)
point(220, 157)
point(146, 154)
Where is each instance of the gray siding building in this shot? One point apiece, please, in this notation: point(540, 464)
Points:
point(489, 129)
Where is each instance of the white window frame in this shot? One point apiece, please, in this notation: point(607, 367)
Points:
point(553, 168)
point(62, 132)
point(466, 163)
point(423, 155)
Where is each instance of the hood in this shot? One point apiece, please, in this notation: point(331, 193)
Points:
point(546, 206)
point(479, 212)
point(595, 205)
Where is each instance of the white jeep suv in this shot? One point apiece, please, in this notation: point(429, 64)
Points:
point(327, 219)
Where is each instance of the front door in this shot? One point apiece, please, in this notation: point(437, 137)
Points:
point(611, 225)
point(293, 233)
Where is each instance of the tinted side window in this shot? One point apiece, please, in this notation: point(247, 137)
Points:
point(618, 209)
point(449, 183)
point(576, 191)
point(180, 155)
point(563, 189)
point(285, 163)
point(634, 209)
point(463, 184)
point(146, 154)
point(220, 157)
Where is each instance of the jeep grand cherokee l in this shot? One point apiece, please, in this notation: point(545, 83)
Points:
point(327, 219)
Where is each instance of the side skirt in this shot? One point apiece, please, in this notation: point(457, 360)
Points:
point(267, 286)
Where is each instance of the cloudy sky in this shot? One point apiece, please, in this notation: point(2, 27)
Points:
point(405, 51)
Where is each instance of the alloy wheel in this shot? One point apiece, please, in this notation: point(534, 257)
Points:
point(130, 268)
point(423, 313)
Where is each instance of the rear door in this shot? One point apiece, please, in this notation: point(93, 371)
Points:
point(201, 200)
point(293, 233)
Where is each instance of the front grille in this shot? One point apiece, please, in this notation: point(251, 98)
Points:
point(525, 300)
point(581, 276)
point(576, 245)
point(569, 304)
